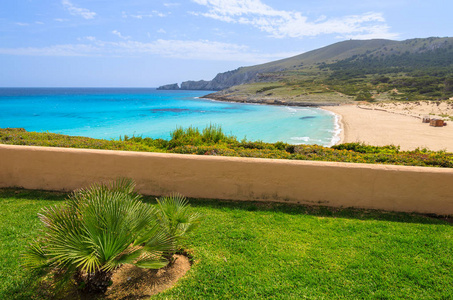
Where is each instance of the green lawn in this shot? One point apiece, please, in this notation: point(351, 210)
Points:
point(274, 251)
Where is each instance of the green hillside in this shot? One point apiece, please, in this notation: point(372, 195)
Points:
point(370, 70)
point(331, 53)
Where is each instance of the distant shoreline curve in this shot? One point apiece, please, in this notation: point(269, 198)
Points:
point(269, 102)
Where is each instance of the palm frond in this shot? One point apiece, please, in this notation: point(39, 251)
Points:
point(127, 258)
point(176, 216)
point(152, 263)
point(35, 256)
point(159, 243)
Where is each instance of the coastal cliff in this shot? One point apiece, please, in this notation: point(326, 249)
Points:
point(196, 85)
point(222, 80)
point(228, 79)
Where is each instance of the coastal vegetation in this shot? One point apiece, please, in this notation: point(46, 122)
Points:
point(213, 141)
point(270, 250)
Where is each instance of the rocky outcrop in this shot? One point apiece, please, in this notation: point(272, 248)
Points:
point(241, 76)
point(196, 85)
point(173, 86)
point(225, 80)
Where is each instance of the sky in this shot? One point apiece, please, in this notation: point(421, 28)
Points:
point(147, 43)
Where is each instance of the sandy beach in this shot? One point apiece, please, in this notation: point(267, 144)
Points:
point(396, 124)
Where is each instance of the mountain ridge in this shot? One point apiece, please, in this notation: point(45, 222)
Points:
point(268, 72)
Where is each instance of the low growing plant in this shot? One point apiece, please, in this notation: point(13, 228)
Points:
point(212, 134)
point(212, 141)
point(96, 231)
point(176, 217)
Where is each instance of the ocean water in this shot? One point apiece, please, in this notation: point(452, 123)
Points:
point(109, 113)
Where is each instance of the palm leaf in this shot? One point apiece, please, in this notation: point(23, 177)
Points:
point(152, 263)
point(35, 256)
point(176, 217)
point(128, 258)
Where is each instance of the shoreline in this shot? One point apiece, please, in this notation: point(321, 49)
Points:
point(339, 122)
point(273, 102)
point(338, 137)
point(338, 133)
point(383, 124)
point(399, 126)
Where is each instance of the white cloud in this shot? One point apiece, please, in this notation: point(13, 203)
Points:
point(39, 23)
point(282, 24)
point(118, 34)
point(60, 20)
point(161, 30)
point(168, 4)
point(159, 14)
point(87, 38)
point(78, 11)
point(180, 49)
point(378, 31)
point(21, 24)
point(56, 50)
point(140, 16)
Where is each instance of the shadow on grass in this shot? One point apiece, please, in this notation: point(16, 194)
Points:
point(29, 287)
point(287, 208)
point(317, 211)
point(21, 193)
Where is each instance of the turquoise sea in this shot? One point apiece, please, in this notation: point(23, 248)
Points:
point(109, 113)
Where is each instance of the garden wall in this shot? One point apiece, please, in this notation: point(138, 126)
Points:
point(396, 188)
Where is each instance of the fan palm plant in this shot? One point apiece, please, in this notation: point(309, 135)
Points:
point(176, 217)
point(98, 230)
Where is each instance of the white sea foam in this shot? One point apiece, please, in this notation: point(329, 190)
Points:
point(336, 131)
point(300, 138)
point(292, 109)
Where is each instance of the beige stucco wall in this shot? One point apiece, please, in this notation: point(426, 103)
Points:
point(397, 188)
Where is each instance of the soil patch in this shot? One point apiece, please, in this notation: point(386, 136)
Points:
point(131, 282)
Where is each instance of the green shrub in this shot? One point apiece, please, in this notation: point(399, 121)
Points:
point(212, 134)
point(363, 148)
point(267, 88)
point(280, 146)
point(99, 229)
point(364, 96)
point(181, 136)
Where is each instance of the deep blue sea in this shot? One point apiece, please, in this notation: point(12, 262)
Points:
point(109, 113)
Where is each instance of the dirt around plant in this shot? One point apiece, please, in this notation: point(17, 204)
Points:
point(131, 282)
